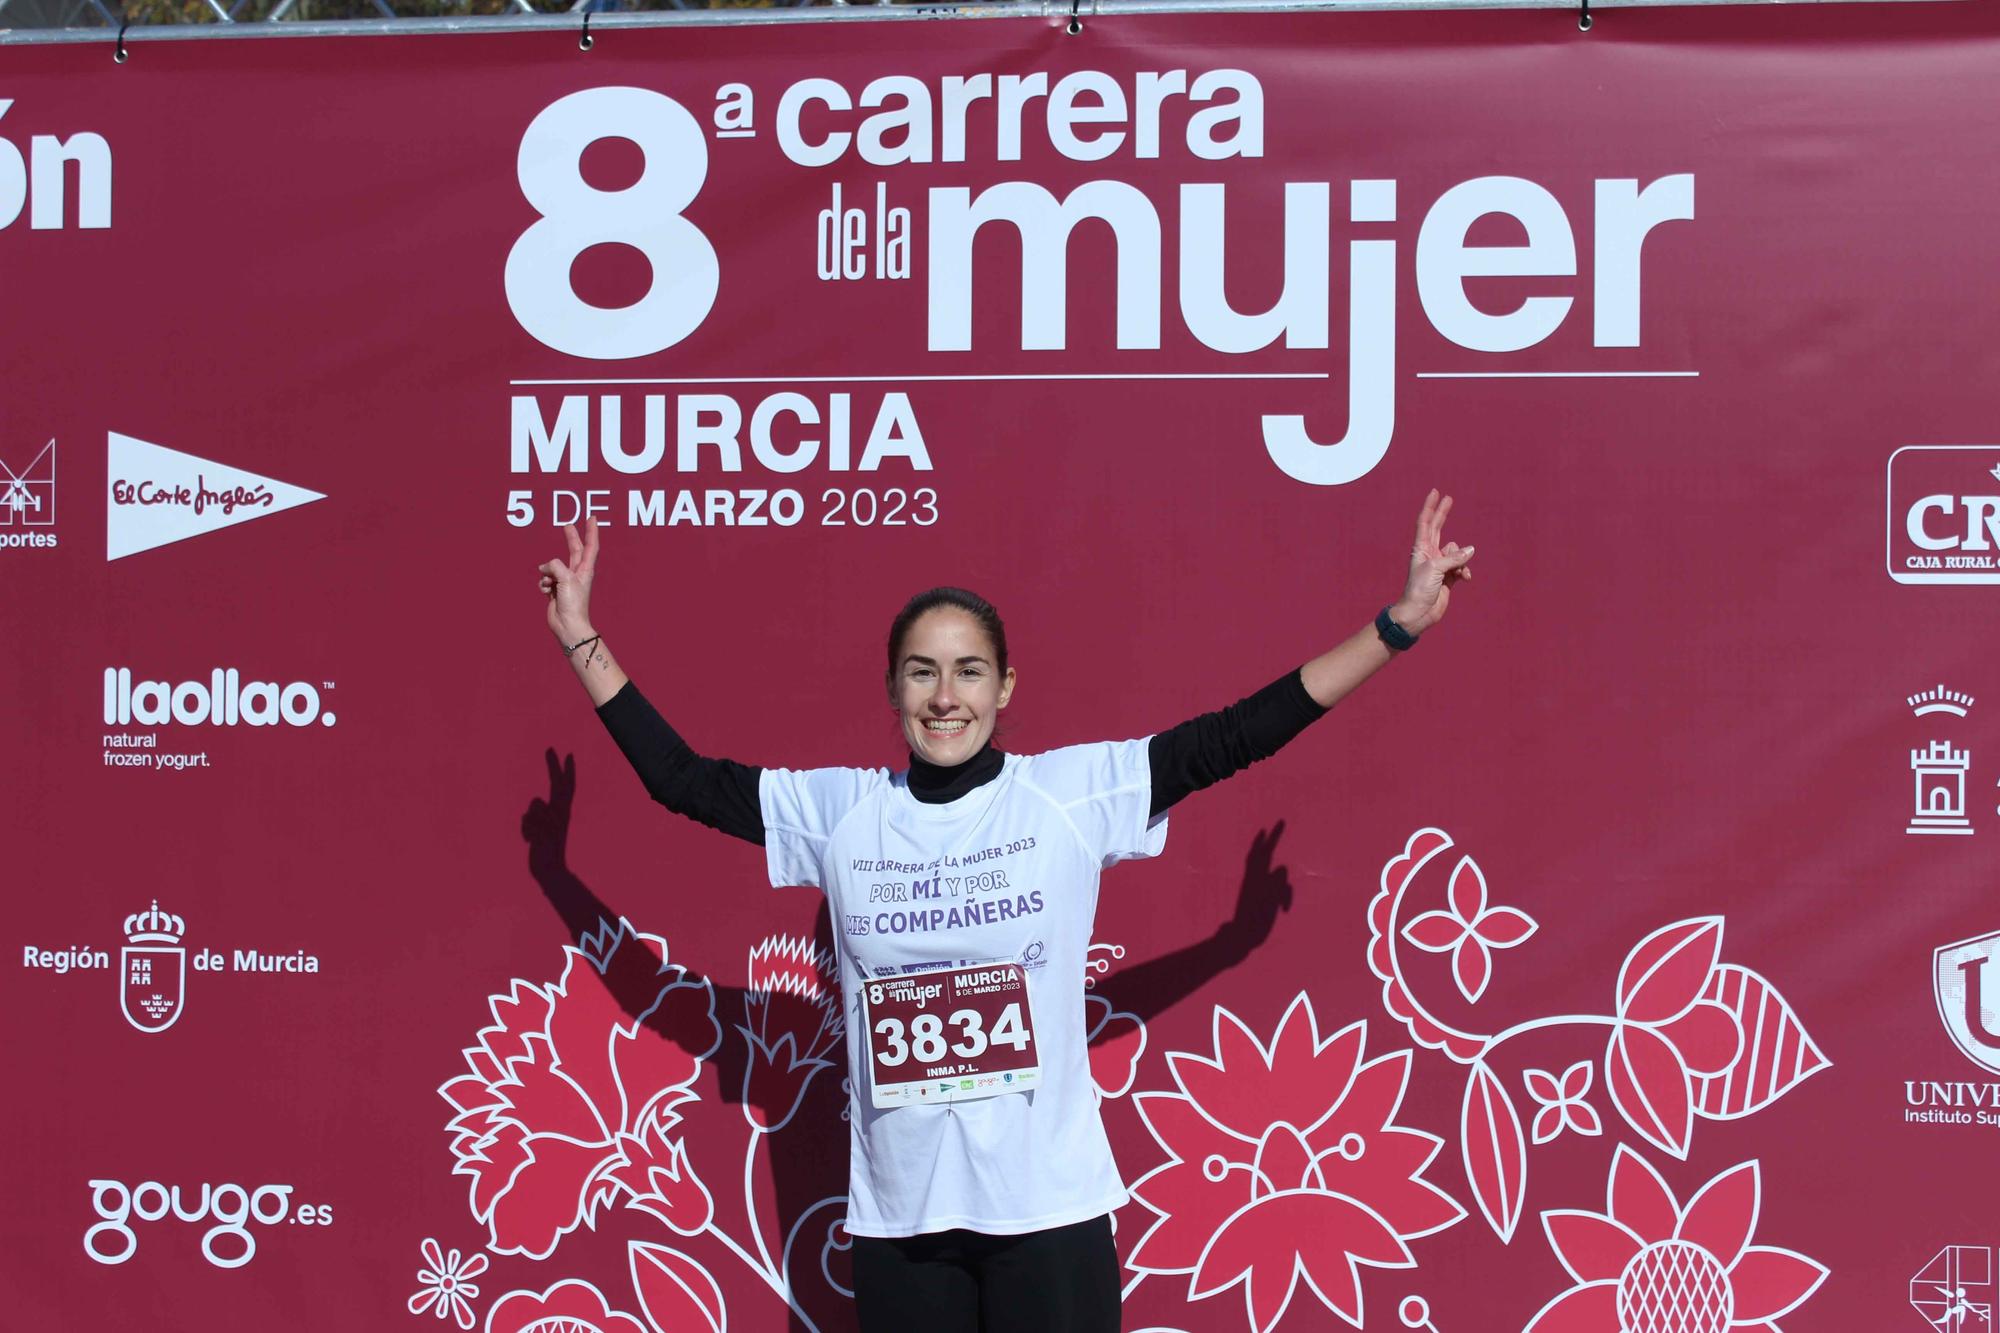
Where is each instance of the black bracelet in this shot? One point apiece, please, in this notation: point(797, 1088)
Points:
point(1395, 636)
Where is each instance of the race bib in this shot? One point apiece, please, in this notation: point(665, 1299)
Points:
point(951, 1034)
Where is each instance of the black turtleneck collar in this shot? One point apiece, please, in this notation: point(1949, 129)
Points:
point(934, 785)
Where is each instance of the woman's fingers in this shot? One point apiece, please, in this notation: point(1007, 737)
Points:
point(589, 561)
point(1423, 539)
point(574, 542)
point(555, 576)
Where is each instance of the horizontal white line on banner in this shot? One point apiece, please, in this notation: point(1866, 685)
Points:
point(929, 379)
point(1558, 374)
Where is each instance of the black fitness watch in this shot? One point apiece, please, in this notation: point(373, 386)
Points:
point(1399, 639)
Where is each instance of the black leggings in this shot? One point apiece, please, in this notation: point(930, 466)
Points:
point(1063, 1280)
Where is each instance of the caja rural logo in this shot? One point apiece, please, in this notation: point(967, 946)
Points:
point(1943, 520)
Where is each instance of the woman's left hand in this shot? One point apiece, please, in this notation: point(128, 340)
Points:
point(1435, 565)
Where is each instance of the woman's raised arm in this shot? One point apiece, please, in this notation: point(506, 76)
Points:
point(566, 583)
point(1204, 750)
point(1435, 567)
point(720, 793)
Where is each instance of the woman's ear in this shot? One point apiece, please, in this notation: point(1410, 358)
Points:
point(1006, 687)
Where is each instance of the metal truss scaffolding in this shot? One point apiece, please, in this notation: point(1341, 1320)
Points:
point(36, 21)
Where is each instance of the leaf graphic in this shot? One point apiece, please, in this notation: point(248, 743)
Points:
point(1435, 932)
point(1776, 1056)
point(1665, 972)
point(1504, 927)
point(1496, 1156)
point(676, 1293)
point(1649, 1086)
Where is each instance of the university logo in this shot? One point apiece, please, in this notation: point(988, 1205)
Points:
point(1968, 1004)
point(1944, 514)
point(153, 966)
point(155, 496)
point(1954, 1291)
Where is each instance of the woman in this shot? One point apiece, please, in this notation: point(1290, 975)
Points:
point(962, 891)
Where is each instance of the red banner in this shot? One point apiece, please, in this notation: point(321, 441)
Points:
point(1621, 958)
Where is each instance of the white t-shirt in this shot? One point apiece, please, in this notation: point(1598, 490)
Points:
point(1006, 872)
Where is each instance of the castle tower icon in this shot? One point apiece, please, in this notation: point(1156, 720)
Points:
point(1940, 795)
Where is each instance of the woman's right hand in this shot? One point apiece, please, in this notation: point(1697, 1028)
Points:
point(566, 583)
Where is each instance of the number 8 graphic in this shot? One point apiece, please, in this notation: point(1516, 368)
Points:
point(645, 215)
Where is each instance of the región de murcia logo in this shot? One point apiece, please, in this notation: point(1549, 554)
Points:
point(153, 966)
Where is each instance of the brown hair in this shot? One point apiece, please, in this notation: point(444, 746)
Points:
point(959, 599)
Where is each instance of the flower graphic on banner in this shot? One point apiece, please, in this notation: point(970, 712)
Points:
point(1688, 1035)
point(792, 1020)
point(1562, 1102)
point(1468, 929)
point(570, 1105)
point(445, 1285)
point(1285, 1163)
point(676, 1294)
point(1648, 1265)
point(1114, 1039)
point(573, 1306)
point(570, 1096)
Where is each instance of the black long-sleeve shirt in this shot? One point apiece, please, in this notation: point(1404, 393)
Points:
point(722, 793)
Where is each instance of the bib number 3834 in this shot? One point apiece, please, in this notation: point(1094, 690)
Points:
point(951, 1034)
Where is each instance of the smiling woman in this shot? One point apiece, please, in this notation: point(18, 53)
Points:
point(948, 674)
point(974, 1060)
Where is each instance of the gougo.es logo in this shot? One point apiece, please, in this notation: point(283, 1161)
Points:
point(229, 1243)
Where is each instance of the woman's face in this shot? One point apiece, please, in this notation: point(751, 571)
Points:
point(948, 690)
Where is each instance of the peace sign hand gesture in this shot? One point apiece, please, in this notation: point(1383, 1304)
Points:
point(567, 585)
point(1435, 566)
